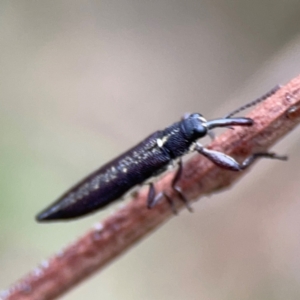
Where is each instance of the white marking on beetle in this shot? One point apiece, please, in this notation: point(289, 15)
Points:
point(202, 119)
point(159, 143)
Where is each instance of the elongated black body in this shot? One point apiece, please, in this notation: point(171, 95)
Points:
point(145, 160)
point(117, 177)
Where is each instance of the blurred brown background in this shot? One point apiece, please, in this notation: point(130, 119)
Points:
point(81, 81)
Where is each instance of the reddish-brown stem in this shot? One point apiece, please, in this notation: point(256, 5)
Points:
point(273, 118)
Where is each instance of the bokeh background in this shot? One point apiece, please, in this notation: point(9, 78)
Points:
point(81, 81)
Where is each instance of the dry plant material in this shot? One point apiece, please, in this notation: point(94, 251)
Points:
point(273, 118)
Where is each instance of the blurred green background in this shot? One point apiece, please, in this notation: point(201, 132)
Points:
point(81, 81)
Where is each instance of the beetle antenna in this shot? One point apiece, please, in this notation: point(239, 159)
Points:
point(254, 102)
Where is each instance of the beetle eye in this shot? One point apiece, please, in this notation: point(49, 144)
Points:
point(201, 130)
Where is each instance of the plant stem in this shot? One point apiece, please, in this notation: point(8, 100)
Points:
point(274, 117)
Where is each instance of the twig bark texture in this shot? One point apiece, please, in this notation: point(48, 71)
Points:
point(273, 118)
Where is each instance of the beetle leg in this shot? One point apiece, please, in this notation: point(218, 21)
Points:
point(178, 188)
point(151, 196)
point(154, 199)
point(227, 162)
point(250, 159)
